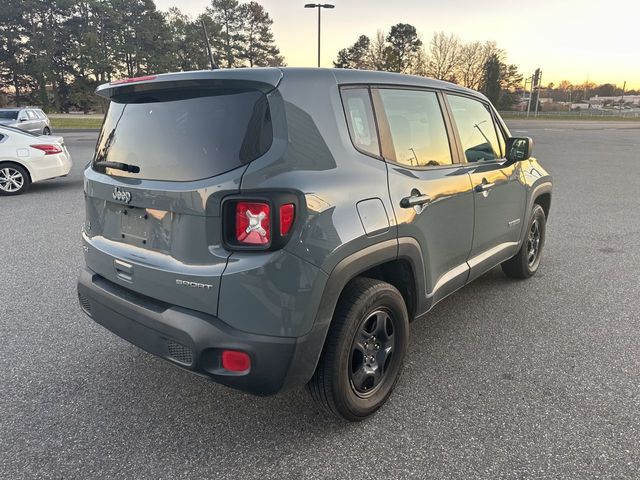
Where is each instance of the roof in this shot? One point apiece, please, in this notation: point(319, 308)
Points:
point(269, 77)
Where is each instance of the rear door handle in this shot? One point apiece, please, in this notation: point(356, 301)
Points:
point(414, 201)
point(483, 187)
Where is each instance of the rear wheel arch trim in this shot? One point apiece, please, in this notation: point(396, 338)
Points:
point(349, 268)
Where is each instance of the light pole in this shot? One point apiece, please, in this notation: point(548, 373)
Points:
point(319, 6)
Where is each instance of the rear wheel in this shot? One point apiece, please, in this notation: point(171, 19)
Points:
point(526, 262)
point(364, 351)
point(14, 179)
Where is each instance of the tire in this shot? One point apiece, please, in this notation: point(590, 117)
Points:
point(369, 333)
point(14, 179)
point(46, 131)
point(525, 263)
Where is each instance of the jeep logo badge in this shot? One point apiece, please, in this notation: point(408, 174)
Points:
point(121, 195)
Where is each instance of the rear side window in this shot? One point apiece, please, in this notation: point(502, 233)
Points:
point(183, 135)
point(362, 126)
point(416, 127)
point(32, 115)
point(9, 114)
point(476, 128)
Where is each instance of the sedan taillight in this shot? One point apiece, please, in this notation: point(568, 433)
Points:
point(48, 149)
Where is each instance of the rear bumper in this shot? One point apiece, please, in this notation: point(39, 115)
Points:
point(194, 340)
point(50, 166)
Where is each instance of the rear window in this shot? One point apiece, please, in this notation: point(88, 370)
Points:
point(184, 136)
point(9, 115)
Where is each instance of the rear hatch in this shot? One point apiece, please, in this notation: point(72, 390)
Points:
point(171, 147)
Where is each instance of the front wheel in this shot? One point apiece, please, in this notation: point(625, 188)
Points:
point(526, 262)
point(364, 350)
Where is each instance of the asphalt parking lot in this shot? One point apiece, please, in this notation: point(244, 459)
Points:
point(504, 379)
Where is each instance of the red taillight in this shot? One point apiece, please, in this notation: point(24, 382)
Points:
point(287, 214)
point(235, 361)
point(133, 80)
point(253, 223)
point(48, 149)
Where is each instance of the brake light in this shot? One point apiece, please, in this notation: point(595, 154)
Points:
point(133, 80)
point(287, 214)
point(48, 149)
point(253, 223)
point(235, 361)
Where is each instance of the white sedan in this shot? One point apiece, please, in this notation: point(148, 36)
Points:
point(26, 158)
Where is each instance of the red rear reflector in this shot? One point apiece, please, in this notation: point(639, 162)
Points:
point(287, 214)
point(133, 80)
point(235, 361)
point(48, 149)
point(253, 223)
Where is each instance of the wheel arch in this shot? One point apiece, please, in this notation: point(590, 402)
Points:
point(20, 164)
point(396, 262)
point(540, 195)
point(544, 200)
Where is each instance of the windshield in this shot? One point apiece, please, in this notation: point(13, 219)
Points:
point(9, 114)
point(184, 136)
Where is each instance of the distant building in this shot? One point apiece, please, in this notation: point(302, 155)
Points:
point(634, 99)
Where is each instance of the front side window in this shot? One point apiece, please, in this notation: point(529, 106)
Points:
point(362, 126)
point(416, 128)
point(476, 129)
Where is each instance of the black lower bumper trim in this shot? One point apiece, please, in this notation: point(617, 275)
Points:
point(194, 340)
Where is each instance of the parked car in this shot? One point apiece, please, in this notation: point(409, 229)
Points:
point(268, 228)
point(29, 119)
point(26, 158)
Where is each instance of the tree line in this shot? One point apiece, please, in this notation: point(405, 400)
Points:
point(476, 65)
point(54, 53)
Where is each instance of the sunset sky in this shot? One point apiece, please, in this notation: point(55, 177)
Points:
point(568, 39)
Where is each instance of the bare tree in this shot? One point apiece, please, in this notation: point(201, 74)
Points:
point(471, 62)
point(443, 56)
point(378, 51)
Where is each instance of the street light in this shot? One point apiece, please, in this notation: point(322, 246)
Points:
point(319, 6)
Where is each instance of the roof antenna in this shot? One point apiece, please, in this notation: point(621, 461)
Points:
point(206, 37)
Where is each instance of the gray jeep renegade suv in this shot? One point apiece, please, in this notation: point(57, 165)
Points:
point(276, 227)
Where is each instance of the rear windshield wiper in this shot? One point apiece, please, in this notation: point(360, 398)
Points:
point(120, 166)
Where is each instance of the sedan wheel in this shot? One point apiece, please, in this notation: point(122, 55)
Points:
point(13, 180)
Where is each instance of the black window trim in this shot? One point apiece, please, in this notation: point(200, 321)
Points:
point(375, 119)
point(377, 104)
point(490, 109)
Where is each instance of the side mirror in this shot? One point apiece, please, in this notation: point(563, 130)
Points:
point(519, 149)
point(22, 119)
